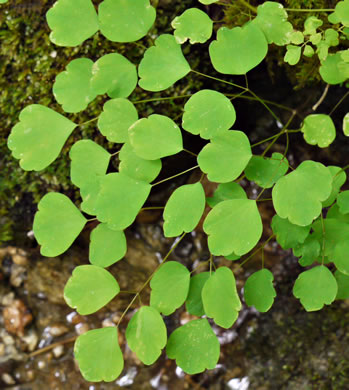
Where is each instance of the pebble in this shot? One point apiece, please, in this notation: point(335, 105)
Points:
point(7, 378)
point(2, 349)
point(16, 317)
point(8, 299)
point(56, 330)
point(31, 339)
point(81, 328)
point(58, 351)
point(18, 275)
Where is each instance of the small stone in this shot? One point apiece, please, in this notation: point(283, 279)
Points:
point(2, 349)
point(81, 328)
point(8, 299)
point(57, 330)
point(7, 378)
point(58, 351)
point(31, 340)
point(19, 259)
point(41, 364)
point(16, 317)
point(74, 318)
point(107, 322)
point(18, 275)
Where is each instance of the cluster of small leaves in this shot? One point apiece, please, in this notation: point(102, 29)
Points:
point(233, 224)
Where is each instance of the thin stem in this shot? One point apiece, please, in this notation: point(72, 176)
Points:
point(339, 102)
point(92, 219)
point(256, 251)
point(189, 152)
point(200, 265)
point(322, 98)
point(210, 260)
point(249, 6)
point(265, 105)
point(262, 257)
point(265, 140)
point(323, 238)
point(178, 174)
point(89, 121)
point(219, 80)
point(152, 208)
point(264, 200)
point(260, 194)
point(310, 10)
point(266, 101)
point(114, 154)
point(52, 346)
point(173, 247)
point(162, 98)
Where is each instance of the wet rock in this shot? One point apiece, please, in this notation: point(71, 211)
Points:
point(57, 330)
point(58, 351)
point(18, 275)
point(7, 379)
point(31, 340)
point(16, 317)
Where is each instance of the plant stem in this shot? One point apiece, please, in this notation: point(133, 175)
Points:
point(339, 102)
point(189, 152)
point(89, 121)
point(162, 98)
point(248, 5)
point(173, 247)
point(256, 251)
point(322, 98)
point(309, 10)
point(51, 346)
point(219, 80)
point(178, 174)
point(152, 208)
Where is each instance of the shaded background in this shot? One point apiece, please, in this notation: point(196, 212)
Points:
point(285, 348)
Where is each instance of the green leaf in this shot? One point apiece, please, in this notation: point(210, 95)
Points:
point(233, 226)
point(90, 288)
point(146, 334)
point(101, 343)
point(136, 167)
point(334, 213)
point(333, 18)
point(39, 137)
point(343, 202)
point(226, 156)
point(194, 25)
point(297, 38)
point(88, 162)
point(117, 116)
point(248, 41)
point(319, 129)
point(309, 251)
point(287, 234)
point(125, 21)
point(57, 223)
point(315, 39)
point(226, 191)
point(194, 346)
point(72, 22)
point(311, 24)
point(330, 69)
point(232, 257)
point(342, 12)
point(162, 64)
point(308, 51)
point(89, 195)
point(207, 113)
point(331, 37)
point(193, 303)
point(322, 50)
point(72, 87)
point(338, 179)
point(315, 288)
point(208, 1)
point(259, 290)
point(3, 1)
point(155, 137)
point(169, 287)
point(184, 209)
point(293, 54)
point(343, 285)
point(107, 246)
point(220, 298)
point(266, 171)
point(272, 20)
point(346, 125)
point(340, 257)
point(298, 195)
point(120, 199)
point(115, 75)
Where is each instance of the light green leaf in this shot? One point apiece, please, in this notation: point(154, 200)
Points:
point(226, 191)
point(322, 50)
point(343, 202)
point(343, 285)
point(72, 87)
point(194, 346)
point(226, 156)
point(184, 209)
point(309, 251)
point(344, 55)
point(340, 257)
point(259, 290)
point(293, 54)
point(331, 37)
point(311, 24)
point(319, 129)
point(238, 50)
point(208, 1)
point(146, 334)
point(57, 223)
point(38, 137)
point(90, 288)
point(232, 257)
point(330, 69)
point(169, 287)
point(72, 22)
point(233, 226)
point(315, 39)
point(266, 171)
point(117, 116)
point(89, 161)
point(315, 288)
point(272, 20)
point(194, 25)
point(342, 12)
point(298, 195)
point(120, 199)
point(220, 298)
point(125, 21)
point(207, 113)
point(287, 234)
point(297, 38)
point(308, 51)
point(136, 167)
point(89, 195)
point(162, 64)
point(3, 1)
point(334, 213)
point(115, 75)
point(155, 137)
point(333, 18)
point(338, 179)
point(107, 246)
point(102, 343)
point(193, 303)
point(346, 125)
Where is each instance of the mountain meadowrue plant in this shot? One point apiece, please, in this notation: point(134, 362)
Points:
point(312, 213)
